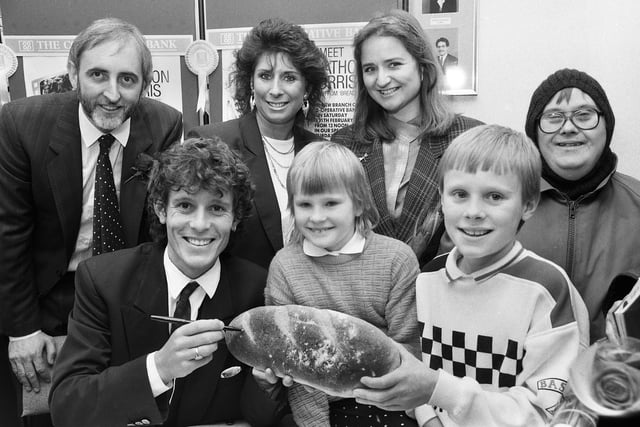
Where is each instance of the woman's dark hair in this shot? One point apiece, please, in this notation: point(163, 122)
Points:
point(198, 164)
point(369, 117)
point(278, 36)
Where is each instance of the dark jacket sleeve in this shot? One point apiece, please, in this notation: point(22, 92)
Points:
point(19, 313)
point(87, 389)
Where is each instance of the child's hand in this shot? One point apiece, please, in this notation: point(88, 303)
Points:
point(269, 382)
point(433, 422)
point(408, 386)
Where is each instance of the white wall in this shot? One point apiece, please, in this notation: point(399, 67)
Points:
point(521, 42)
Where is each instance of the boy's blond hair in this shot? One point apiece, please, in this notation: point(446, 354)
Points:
point(498, 149)
point(326, 166)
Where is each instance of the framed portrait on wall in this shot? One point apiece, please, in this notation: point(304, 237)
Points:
point(451, 28)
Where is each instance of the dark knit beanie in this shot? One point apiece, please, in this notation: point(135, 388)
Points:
point(564, 79)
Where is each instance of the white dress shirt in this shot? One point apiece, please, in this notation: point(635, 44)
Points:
point(90, 150)
point(176, 281)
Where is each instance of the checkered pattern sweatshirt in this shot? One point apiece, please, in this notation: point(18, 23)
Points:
point(377, 285)
point(502, 339)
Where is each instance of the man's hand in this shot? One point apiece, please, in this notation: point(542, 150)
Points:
point(408, 386)
point(188, 348)
point(32, 359)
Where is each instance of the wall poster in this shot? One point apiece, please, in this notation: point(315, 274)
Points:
point(45, 64)
point(334, 40)
point(451, 27)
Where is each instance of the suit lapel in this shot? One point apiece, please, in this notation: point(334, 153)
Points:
point(374, 166)
point(65, 171)
point(264, 200)
point(202, 384)
point(423, 188)
point(133, 190)
point(301, 138)
point(143, 334)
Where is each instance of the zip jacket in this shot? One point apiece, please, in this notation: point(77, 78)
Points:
point(594, 238)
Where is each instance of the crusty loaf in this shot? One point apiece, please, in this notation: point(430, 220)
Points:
point(324, 349)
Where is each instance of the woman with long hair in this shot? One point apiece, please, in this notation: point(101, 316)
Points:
point(402, 125)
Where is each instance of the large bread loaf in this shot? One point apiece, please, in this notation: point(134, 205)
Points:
point(323, 349)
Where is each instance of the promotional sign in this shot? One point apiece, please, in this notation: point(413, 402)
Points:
point(45, 65)
point(334, 40)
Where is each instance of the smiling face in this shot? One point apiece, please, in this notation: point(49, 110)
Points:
point(572, 152)
point(442, 48)
point(391, 76)
point(328, 219)
point(109, 83)
point(482, 212)
point(198, 228)
point(279, 90)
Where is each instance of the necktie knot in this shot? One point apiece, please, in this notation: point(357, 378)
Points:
point(186, 292)
point(106, 141)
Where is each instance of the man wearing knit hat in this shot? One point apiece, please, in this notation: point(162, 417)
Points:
point(589, 215)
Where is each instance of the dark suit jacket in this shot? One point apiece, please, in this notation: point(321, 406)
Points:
point(100, 377)
point(41, 197)
point(422, 194)
point(261, 234)
point(449, 61)
point(449, 6)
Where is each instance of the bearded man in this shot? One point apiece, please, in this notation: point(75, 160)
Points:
point(71, 188)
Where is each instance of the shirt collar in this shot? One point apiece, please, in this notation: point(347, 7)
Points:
point(454, 273)
point(398, 124)
point(177, 280)
point(355, 245)
point(90, 133)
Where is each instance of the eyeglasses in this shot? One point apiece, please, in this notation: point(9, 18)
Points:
point(585, 119)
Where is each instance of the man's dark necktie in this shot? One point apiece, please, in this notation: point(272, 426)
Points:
point(183, 308)
point(107, 228)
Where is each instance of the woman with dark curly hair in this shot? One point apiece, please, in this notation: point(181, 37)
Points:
point(402, 124)
point(280, 80)
point(119, 366)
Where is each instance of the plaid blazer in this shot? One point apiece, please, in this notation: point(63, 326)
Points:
point(420, 223)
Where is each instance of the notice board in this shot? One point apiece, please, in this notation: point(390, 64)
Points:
point(173, 17)
point(66, 18)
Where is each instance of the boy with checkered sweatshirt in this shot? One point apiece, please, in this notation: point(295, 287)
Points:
point(500, 325)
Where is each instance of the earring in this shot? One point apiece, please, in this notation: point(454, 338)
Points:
point(252, 102)
point(305, 106)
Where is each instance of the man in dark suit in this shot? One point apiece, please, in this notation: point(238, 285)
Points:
point(118, 367)
point(439, 6)
point(49, 152)
point(445, 60)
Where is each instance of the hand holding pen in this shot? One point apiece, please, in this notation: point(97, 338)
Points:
point(188, 347)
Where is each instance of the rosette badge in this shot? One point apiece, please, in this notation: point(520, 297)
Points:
point(8, 66)
point(202, 59)
point(606, 378)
